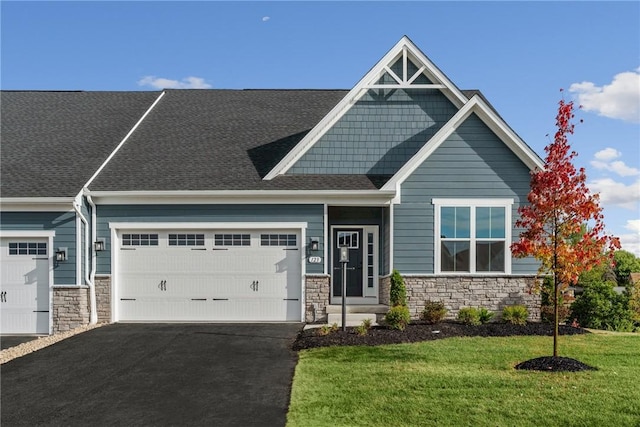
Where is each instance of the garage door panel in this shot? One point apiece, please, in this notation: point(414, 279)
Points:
point(24, 286)
point(209, 282)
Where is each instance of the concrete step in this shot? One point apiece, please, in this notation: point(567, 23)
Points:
point(353, 319)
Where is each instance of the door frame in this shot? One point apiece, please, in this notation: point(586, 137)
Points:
point(370, 295)
point(39, 234)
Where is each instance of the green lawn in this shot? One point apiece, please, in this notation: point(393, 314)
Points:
point(468, 382)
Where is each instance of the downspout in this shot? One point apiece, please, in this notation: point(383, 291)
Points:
point(93, 311)
point(92, 274)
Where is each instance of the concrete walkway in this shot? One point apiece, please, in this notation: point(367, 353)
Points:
point(155, 374)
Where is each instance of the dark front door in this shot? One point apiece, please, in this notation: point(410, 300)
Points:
point(352, 237)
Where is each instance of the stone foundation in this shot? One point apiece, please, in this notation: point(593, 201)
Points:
point(70, 307)
point(103, 298)
point(492, 293)
point(317, 297)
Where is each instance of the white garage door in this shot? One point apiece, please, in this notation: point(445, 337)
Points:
point(209, 276)
point(24, 286)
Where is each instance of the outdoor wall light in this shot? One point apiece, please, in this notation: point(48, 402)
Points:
point(98, 245)
point(314, 243)
point(61, 254)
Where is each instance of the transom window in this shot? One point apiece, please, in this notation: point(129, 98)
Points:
point(232, 240)
point(278, 240)
point(139, 240)
point(186, 239)
point(348, 238)
point(27, 248)
point(473, 235)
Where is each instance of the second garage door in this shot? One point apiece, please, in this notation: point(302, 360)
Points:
point(209, 276)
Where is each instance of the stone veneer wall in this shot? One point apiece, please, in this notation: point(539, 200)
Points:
point(70, 307)
point(317, 289)
point(492, 293)
point(384, 287)
point(103, 298)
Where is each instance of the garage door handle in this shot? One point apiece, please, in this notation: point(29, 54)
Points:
point(3, 296)
point(127, 299)
point(220, 299)
point(198, 249)
point(219, 249)
point(290, 249)
point(291, 299)
point(40, 311)
point(198, 299)
point(163, 285)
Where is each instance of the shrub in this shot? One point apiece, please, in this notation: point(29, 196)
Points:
point(398, 290)
point(361, 329)
point(433, 312)
point(334, 327)
point(485, 315)
point(397, 317)
point(366, 323)
point(515, 314)
point(469, 316)
point(324, 330)
point(600, 307)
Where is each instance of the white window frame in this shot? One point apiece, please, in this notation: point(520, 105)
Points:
point(506, 203)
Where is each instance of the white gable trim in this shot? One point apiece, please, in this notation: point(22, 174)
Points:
point(36, 204)
point(490, 118)
point(404, 48)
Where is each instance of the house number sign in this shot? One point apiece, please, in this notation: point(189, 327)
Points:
point(315, 260)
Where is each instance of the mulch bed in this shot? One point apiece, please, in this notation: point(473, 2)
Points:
point(420, 331)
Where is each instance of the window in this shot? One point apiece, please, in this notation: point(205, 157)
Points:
point(27, 248)
point(139, 240)
point(278, 240)
point(348, 238)
point(232, 240)
point(472, 235)
point(186, 239)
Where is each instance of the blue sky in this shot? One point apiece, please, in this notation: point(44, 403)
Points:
point(519, 54)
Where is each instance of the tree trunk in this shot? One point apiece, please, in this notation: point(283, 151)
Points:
point(555, 315)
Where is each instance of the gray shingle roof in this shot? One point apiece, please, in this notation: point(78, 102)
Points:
point(51, 143)
point(221, 140)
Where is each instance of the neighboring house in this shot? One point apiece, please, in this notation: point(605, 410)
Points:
point(230, 205)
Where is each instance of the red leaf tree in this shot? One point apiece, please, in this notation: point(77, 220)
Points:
point(560, 204)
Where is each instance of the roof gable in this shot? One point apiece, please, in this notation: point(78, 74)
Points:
point(403, 67)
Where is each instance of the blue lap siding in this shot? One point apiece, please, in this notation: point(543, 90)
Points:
point(472, 163)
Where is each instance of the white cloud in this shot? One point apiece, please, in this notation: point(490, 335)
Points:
point(617, 193)
point(607, 154)
point(186, 83)
point(604, 161)
point(265, 18)
point(619, 99)
point(631, 241)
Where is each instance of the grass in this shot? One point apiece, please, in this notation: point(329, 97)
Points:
point(468, 381)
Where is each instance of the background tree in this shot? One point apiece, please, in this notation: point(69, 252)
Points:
point(626, 263)
point(559, 205)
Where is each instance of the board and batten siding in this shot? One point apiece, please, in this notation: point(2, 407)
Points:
point(63, 223)
point(378, 134)
point(472, 163)
point(311, 214)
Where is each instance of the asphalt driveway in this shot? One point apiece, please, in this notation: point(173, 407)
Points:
point(155, 375)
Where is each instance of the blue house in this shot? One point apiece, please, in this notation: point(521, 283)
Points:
point(230, 205)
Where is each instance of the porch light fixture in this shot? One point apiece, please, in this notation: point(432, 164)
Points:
point(314, 244)
point(98, 245)
point(61, 254)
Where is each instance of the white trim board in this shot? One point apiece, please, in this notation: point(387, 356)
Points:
point(206, 225)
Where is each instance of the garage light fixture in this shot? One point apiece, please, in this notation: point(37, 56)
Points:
point(61, 254)
point(98, 245)
point(314, 244)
